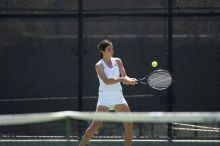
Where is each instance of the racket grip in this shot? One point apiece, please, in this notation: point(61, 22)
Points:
point(142, 82)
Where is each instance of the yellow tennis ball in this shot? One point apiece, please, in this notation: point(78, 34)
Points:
point(154, 64)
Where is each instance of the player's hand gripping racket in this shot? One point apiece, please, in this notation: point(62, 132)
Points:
point(158, 79)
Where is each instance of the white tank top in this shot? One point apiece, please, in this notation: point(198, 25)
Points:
point(110, 73)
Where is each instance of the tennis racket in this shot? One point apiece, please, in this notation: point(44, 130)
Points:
point(159, 79)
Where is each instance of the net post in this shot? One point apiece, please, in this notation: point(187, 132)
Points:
point(169, 93)
point(68, 132)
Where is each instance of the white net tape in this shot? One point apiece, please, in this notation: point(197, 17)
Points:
point(151, 117)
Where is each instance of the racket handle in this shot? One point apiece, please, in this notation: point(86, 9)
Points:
point(142, 82)
point(142, 79)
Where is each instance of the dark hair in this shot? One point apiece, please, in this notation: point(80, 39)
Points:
point(102, 45)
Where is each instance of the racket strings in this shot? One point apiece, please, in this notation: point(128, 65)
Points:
point(159, 80)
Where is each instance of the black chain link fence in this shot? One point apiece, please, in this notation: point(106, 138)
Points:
point(44, 43)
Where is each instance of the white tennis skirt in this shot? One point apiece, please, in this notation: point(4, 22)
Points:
point(110, 99)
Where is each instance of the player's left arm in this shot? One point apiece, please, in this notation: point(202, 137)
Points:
point(123, 72)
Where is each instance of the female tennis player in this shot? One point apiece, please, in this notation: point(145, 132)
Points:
point(110, 72)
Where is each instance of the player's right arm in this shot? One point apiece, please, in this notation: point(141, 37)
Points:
point(108, 81)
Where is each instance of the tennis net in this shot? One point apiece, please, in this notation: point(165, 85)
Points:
point(66, 128)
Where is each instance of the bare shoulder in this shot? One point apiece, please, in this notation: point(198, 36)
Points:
point(118, 60)
point(98, 65)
